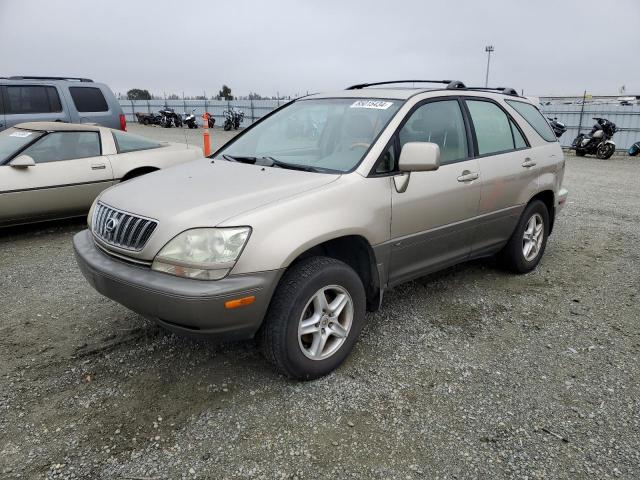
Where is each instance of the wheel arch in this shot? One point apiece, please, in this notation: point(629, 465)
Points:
point(355, 251)
point(548, 198)
point(136, 172)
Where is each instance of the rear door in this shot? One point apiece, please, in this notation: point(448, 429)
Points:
point(92, 106)
point(33, 103)
point(70, 172)
point(507, 165)
point(433, 221)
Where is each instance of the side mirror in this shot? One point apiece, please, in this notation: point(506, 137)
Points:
point(22, 161)
point(419, 157)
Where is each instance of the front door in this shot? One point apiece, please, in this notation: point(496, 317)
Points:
point(433, 220)
point(59, 184)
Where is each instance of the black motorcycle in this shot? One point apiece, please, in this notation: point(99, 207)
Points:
point(232, 119)
point(597, 141)
point(557, 127)
point(168, 117)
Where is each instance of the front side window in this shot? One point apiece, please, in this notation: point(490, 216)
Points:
point(534, 118)
point(492, 127)
point(88, 99)
point(58, 146)
point(438, 122)
point(32, 99)
point(125, 142)
point(12, 140)
point(326, 135)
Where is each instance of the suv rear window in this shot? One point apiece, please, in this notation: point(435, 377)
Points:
point(88, 99)
point(32, 99)
point(534, 118)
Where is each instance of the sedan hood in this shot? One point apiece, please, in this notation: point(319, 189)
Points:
point(203, 193)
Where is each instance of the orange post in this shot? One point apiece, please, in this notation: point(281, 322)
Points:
point(205, 135)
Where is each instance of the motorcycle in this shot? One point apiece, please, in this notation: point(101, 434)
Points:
point(597, 141)
point(557, 127)
point(189, 119)
point(232, 119)
point(634, 150)
point(169, 117)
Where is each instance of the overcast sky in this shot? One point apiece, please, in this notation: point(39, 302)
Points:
point(291, 47)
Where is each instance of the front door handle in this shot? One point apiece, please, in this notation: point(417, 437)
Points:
point(528, 163)
point(468, 176)
point(98, 166)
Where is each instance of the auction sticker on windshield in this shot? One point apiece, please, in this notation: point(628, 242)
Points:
point(20, 134)
point(377, 104)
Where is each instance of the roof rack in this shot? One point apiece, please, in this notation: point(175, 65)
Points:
point(451, 84)
point(31, 77)
point(503, 90)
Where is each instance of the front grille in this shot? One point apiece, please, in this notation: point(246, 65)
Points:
point(121, 229)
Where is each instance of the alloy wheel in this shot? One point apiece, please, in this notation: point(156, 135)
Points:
point(325, 322)
point(533, 237)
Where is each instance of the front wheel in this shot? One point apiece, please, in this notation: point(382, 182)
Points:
point(527, 243)
point(605, 151)
point(314, 319)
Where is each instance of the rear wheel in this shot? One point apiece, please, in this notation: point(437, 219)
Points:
point(527, 243)
point(314, 319)
point(605, 151)
point(146, 121)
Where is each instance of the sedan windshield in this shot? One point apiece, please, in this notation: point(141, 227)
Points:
point(12, 140)
point(322, 135)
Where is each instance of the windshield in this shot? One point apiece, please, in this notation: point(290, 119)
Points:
point(316, 134)
point(13, 140)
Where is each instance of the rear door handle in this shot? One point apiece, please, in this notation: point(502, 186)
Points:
point(98, 166)
point(468, 176)
point(528, 163)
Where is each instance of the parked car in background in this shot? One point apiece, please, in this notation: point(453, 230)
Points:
point(54, 170)
point(58, 99)
point(290, 234)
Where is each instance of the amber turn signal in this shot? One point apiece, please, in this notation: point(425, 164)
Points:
point(240, 302)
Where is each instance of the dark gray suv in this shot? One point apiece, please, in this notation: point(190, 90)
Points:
point(58, 99)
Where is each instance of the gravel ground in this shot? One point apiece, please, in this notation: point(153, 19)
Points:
point(470, 373)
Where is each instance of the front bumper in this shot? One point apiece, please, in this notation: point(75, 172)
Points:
point(179, 304)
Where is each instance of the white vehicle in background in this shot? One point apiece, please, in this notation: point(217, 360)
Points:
point(52, 170)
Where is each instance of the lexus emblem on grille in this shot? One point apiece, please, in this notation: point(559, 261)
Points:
point(111, 224)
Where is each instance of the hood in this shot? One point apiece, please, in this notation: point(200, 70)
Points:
point(203, 193)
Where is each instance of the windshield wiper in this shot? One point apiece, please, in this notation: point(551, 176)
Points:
point(239, 158)
point(272, 162)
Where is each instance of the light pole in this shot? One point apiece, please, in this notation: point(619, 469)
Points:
point(488, 49)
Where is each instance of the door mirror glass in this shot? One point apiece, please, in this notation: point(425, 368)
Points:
point(419, 157)
point(22, 161)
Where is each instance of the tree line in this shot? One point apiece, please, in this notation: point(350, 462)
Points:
point(223, 94)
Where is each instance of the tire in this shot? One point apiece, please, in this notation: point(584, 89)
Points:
point(580, 153)
point(605, 151)
point(227, 126)
point(146, 121)
point(291, 352)
point(512, 256)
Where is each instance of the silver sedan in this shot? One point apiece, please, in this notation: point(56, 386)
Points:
point(55, 170)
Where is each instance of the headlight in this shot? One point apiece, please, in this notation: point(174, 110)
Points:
point(202, 253)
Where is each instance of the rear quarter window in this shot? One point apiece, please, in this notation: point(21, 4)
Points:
point(88, 99)
point(534, 118)
point(126, 142)
point(21, 99)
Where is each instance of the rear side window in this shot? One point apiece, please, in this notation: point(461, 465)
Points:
point(534, 118)
point(438, 122)
point(32, 99)
point(58, 146)
point(492, 126)
point(88, 99)
point(126, 142)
